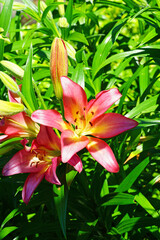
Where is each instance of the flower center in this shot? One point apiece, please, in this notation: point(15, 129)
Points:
point(43, 155)
point(83, 122)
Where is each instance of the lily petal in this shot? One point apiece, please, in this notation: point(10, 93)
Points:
point(74, 99)
point(103, 101)
point(71, 144)
point(103, 154)
point(50, 118)
point(32, 181)
point(22, 162)
point(48, 138)
point(50, 174)
point(76, 162)
point(110, 124)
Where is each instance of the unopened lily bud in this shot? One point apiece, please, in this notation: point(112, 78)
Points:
point(10, 108)
point(13, 68)
point(9, 82)
point(62, 23)
point(61, 8)
point(58, 64)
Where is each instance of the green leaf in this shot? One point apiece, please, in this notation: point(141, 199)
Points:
point(144, 202)
point(9, 217)
point(144, 77)
point(134, 223)
point(79, 37)
point(147, 106)
point(5, 19)
point(61, 205)
point(27, 87)
point(105, 47)
point(6, 231)
point(78, 75)
point(117, 199)
point(132, 176)
point(126, 86)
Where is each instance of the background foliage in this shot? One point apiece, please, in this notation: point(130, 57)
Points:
point(110, 44)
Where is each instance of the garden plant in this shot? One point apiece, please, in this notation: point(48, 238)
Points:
point(79, 119)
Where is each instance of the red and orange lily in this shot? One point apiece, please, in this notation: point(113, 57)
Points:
point(86, 123)
point(40, 160)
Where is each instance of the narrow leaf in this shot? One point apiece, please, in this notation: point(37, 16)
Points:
point(27, 87)
point(132, 176)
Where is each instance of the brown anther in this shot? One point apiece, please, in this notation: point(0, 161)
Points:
point(77, 112)
point(76, 127)
point(92, 113)
point(84, 109)
point(91, 124)
point(75, 120)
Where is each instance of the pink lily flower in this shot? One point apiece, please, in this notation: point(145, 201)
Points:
point(40, 160)
point(18, 125)
point(86, 123)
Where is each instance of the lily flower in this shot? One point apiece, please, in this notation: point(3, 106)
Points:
point(86, 123)
point(18, 125)
point(40, 160)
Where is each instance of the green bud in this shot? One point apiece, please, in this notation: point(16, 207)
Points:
point(10, 108)
point(63, 22)
point(9, 82)
point(13, 68)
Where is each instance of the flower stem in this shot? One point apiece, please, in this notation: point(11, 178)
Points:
point(39, 94)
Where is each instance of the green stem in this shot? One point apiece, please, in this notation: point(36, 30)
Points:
point(29, 109)
point(39, 94)
point(55, 28)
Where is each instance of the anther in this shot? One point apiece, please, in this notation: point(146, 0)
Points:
point(92, 113)
point(77, 112)
point(84, 109)
point(75, 120)
point(91, 124)
point(76, 127)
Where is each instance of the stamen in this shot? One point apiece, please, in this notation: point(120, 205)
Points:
point(91, 124)
point(92, 113)
point(77, 112)
point(75, 120)
point(84, 109)
point(76, 127)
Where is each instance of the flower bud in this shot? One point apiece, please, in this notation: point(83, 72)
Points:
point(10, 108)
point(9, 82)
point(58, 64)
point(62, 23)
point(61, 8)
point(13, 68)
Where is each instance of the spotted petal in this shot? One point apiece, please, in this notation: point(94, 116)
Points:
point(110, 124)
point(74, 99)
point(22, 162)
point(103, 101)
point(71, 144)
point(103, 154)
